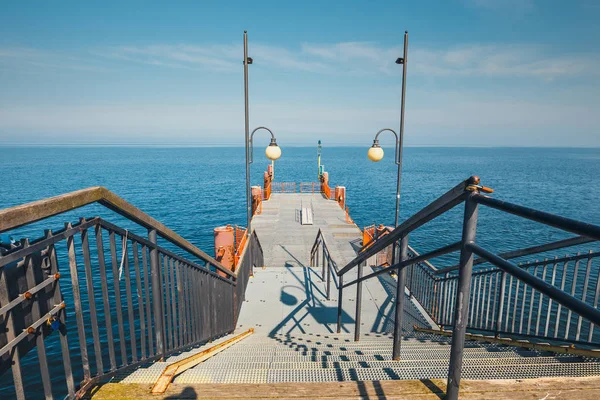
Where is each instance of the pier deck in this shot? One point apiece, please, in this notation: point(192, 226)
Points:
point(288, 297)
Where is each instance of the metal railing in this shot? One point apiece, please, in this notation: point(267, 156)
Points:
point(320, 254)
point(283, 187)
point(310, 187)
point(130, 300)
point(462, 305)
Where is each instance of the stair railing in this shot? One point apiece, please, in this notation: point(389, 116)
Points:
point(469, 192)
point(320, 254)
point(73, 280)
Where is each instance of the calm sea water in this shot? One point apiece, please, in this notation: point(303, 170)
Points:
point(192, 190)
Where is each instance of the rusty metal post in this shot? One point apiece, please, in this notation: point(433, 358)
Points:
point(461, 311)
point(157, 294)
point(401, 283)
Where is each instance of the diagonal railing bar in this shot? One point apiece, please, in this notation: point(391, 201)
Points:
point(446, 202)
point(560, 244)
point(14, 217)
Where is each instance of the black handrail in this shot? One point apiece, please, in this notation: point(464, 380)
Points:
point(468, 192)
point(447, 201)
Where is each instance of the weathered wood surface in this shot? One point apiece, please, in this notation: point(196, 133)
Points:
point(543, 388)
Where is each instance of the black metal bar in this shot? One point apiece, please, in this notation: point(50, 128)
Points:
point(584, 295)
point(77, 305)
point(148, 301)
point(180, 304)
point(64, 342)
point(85, 248)
point(105, 298)
point(596, 296)
point(117, 292)
point(559, 305)
point(328, 277)
point(339, 307)
point(358, 303)
point(439, 206)
point(173, 296)
point(168, 301)
point(462, 299)
point(128, 294)
point(541, 299)
point(566, 224)
point(399, 314)
point(500, 303)
point(570, 302)
point(140, 298)
point(577, 240)
point(410, 261)
point(139, 239)
point(43, 243)
point(157, 295)
point(36, 314)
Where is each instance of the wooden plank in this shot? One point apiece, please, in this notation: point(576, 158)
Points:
point(587, 388)
point(178, 367)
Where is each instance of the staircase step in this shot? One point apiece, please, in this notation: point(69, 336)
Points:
point(366, 374)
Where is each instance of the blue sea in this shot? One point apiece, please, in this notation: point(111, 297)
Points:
point(193, 190)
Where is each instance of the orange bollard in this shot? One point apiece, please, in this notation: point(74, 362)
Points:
point(224, 249)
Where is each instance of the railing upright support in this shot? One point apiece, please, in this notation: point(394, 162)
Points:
point(157, 294)
point(323, 261)
point(462, 300)
point(358, 302)
point(328, 278)
point(401, 283)
point(500, 303)
point(339, 310)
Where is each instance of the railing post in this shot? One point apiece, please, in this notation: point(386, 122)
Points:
point(462, 298)
point(339, 310)
point(500, 303)
point(328, 278)
point(323, 261)
point(401, 283)
point(157, 294)
point(358, 302)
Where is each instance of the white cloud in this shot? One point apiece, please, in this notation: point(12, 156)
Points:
point(32, 60)
point(346, 58)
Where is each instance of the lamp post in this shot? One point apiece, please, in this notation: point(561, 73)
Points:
point(376, 154)
point(273, 152)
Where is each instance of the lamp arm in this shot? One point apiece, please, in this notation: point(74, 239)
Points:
point(251, 143)
point(397, 155)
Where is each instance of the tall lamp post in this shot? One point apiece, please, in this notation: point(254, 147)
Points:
point(376, 154)
point(273, 152)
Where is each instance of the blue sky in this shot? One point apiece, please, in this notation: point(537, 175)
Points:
point(480, 72)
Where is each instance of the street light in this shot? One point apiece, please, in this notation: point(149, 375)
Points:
point(375, 154)
point(273, 152)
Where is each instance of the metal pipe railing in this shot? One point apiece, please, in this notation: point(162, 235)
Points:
point(130, 302)
point(14, 217)
point(503, 299)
